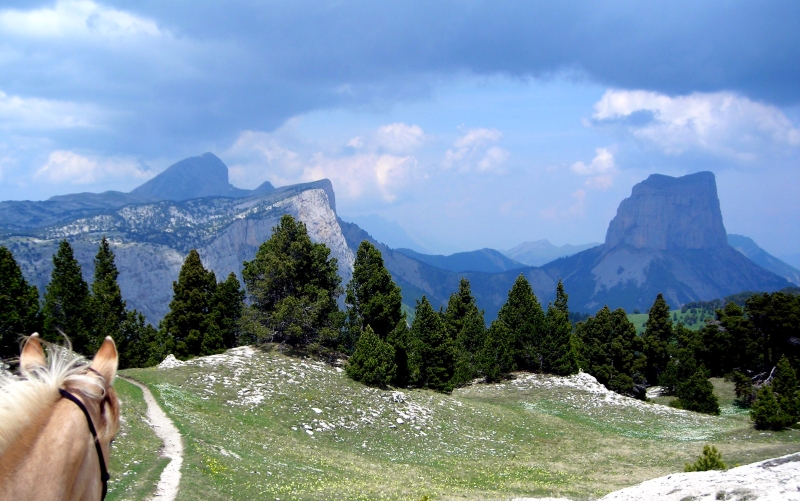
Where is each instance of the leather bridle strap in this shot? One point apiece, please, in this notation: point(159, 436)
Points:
point(104, 476)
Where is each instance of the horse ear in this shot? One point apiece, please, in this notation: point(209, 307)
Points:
point(32, 355)
point(106, 359)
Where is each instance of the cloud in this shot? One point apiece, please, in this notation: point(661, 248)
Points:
point(75, 18)
point(723, 123)
point(475, 151)
point(377, 169)
point(18, 113)
point(575, 209)
point(600, 171)
point(399, 137)
point(69, 167)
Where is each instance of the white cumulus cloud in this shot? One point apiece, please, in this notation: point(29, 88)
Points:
point(600, 171)
point(721, 123)
point(476, 151)
point(65, 166)
point(34, 113)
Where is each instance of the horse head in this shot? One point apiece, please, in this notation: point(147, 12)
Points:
point(67, 414)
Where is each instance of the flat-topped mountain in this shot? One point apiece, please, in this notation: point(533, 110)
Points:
point(665, 213)
point(667, 237)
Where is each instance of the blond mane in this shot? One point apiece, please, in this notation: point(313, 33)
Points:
point(26, 396)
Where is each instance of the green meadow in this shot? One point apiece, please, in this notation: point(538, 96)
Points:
point(258, 424)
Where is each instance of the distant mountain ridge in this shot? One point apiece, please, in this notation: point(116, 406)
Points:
point(151, 230)
point(749, 248)
point(483, 260)
point(542, 252)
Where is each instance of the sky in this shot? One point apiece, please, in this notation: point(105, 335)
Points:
point(471, 124)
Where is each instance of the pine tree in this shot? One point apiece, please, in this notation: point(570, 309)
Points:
point(497, 355)
point(765, 412)
point(228, 303)
point(372, 362)
point(19, 305)
point(399, 340)
point(139, 343)
point(67, 303)
point(190, 310)
point(466, 327)
point(432, 356)
point(107, 305)
point(697, 394)
point(371, 295)
point(784, 386)
point(611, 349)
point(657, 337)
point(558, 355)
point(293, 284)
point(523, 316)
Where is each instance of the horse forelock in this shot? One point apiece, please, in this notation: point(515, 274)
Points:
point(24, 398)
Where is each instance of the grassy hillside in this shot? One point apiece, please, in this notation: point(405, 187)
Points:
point(693, 319)
point(262, 425)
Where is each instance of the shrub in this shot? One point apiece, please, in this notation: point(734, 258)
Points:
point(766, 413)
point(710, 459)
point(697, 394)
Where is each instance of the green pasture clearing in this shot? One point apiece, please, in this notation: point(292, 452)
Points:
point(692, 321)
point(261, 425)
point(135, 464)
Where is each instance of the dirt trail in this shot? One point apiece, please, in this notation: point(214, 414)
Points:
point(167, 487)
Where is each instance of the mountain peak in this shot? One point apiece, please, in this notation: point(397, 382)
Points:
point(665, 212)
point(193, 177)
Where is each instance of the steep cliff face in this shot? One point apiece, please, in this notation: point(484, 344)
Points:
point(667, 237)
point(150, 241)
point(665, 213)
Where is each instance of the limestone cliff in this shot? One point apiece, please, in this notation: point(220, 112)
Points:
point(150, 241)
point(665, 212)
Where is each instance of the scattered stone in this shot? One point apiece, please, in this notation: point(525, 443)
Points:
point(318, 411)
point(400, 421)
point(169, 362)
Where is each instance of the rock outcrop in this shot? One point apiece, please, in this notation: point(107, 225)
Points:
point(193, 177)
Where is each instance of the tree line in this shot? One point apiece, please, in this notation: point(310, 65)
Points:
point(291, 293)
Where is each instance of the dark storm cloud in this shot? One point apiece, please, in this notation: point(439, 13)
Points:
point(214, 69)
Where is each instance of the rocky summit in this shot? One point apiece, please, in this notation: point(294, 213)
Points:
point(667, 237)
point(191, 205)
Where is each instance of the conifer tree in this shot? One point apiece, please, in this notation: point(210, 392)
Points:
point(108, 307)
point(228, 303)
point(497, 355)
point(19, 305)
point(399, 340)
point(139, 343)
point(657, 337)
point(558, 354)
point(611, 349)
point(189, 314)
point(784, 386)
point(697, 394)
point(371, 295)
point(67, 303)
point(372, 362)
point(765, 412)
point(465, 325)
point(523, 316)
point(293, 284)
point(432, 356)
